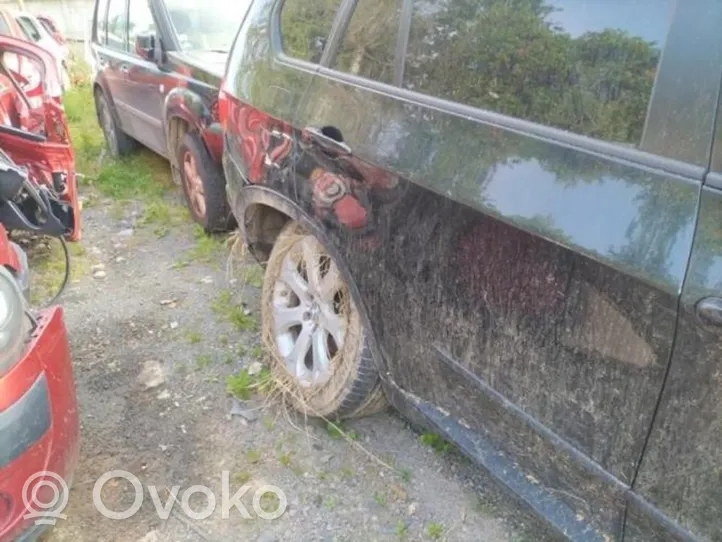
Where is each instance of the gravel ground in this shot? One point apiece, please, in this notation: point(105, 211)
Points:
point(151, 361)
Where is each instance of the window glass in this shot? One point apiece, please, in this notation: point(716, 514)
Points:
point(100, 22)
point(369, 45)
point(118, 25)
point(587, 66)
point(207, 25)
point(305, 27)
point(29, 28)
point(140, 20)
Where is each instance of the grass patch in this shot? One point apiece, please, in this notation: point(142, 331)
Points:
point(338, 430)
point(241, 477)
point(330, 502)
point(203, 361)
point(380, 498)
point(47, 266)
point(207, 248)
point(401, 528)
point(435, 530)
point(436, 443)
point(194, 337)
point(253, 456)
point(269, 502)
point(234, 314)
point(243, 385)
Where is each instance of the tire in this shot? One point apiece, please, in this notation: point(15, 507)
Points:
point(118, 142)
point(204, 185)
point(350, 385)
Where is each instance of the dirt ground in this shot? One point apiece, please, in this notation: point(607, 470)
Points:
point(157, 300)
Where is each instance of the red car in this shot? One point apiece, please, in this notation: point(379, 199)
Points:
point(38, 409)
point(38, 193)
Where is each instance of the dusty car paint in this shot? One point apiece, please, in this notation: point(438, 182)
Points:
point(522, 287)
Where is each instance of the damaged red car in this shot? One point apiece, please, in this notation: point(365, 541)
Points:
point(38, 194)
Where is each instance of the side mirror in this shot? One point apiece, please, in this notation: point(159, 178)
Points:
point(145, 46)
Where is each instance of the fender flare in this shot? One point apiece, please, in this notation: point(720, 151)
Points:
point(260, 195)
point(182, 103)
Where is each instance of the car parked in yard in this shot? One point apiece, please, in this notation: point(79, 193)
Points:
point(38, 407)
point(158, 67)
point(508, 217)
point(37, 33)
point(53, 29)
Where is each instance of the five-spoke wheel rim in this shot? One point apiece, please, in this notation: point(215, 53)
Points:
point(194, 185)
point(310, 312)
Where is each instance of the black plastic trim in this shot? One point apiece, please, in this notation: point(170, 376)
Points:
point(25, 422)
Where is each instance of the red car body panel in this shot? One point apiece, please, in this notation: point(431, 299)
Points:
point(44, 116)
point(47, 357)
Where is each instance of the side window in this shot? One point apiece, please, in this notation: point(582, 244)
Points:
point(100, 25)
point(118, 25)
point(29, 28)
point(587, 67)
point(305, 27)
point(140, 20)
point(369, 45)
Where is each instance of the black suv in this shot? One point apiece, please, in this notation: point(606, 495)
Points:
point(507, 215)
point(158, 65)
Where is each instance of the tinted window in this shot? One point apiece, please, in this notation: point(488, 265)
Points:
point(100, 22)
point(305, 27)
point(29, 28)
point(140, 20)
point(118, 25)
point(369, 45)
point(584, 66)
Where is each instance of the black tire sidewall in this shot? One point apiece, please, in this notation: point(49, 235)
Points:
point(123, 143)
point(101, 106)
point(218, 216)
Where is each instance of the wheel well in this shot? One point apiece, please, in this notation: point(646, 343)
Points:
point(177, 128)
point(262, 225)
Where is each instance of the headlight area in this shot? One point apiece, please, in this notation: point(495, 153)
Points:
point(14, 322)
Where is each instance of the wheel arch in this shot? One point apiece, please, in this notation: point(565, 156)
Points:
point(262, 213)
point(185, 111)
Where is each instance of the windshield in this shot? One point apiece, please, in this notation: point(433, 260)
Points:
point(207, 25)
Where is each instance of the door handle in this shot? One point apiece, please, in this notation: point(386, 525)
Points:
point(709, 311)
point(125, 68)
point(328, 138)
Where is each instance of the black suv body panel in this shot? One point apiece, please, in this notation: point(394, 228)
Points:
point(523, 285)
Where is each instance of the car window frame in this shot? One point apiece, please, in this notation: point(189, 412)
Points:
point(341, 25)
point(95, 38)
point(573, 141)
point(131, 47)
point(126, 50)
